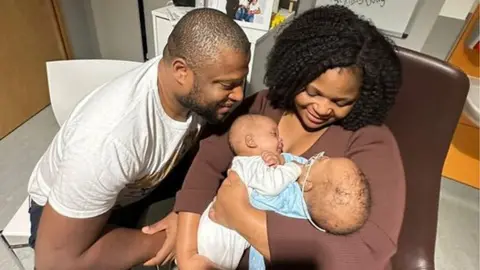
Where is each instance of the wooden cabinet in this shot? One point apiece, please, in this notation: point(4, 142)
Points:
point(32, 34)
point(462, 162)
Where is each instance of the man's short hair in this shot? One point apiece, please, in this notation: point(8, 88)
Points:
point(201, 34)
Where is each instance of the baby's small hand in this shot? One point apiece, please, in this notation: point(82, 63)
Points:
point(271, 159)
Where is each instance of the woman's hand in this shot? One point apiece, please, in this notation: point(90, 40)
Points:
point(231, 202)
point(197, 262)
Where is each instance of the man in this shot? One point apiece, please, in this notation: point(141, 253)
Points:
point(122, 140)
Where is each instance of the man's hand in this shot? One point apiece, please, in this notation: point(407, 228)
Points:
point(167, 252)
point(272, 159)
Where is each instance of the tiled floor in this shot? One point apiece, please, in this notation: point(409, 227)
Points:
point(458, 228)
point(19, 153)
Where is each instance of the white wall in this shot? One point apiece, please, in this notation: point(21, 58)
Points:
point(457, 9)
point(148, 6)
point(80, 28)
point(108, 29)
point(118, 30)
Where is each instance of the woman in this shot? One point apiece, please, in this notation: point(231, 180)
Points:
point(332, 78)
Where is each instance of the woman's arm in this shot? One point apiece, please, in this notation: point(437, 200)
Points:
point(199, 189)
point(296, 242)
point(254, 230)
point(204, 178)
point(204, 175)
point(233, 210)
point(186, 246)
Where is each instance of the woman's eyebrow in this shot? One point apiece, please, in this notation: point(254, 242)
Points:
point(345, 98)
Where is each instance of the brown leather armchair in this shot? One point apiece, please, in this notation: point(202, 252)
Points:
point(423, 121)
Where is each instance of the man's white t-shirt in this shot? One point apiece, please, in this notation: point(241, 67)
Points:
point(115, 148)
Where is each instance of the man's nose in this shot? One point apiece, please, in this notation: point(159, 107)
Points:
point(236, 94)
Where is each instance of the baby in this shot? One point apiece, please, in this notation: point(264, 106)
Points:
point(331, 193)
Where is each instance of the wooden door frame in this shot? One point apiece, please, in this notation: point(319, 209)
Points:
point(67, 46)
point(58, 47)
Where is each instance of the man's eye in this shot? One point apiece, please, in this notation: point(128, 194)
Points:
point(228, 86)
point(311, 93)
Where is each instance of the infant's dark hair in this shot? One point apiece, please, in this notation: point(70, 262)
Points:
point(345, 206)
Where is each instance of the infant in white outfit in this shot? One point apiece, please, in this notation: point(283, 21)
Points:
point(274, 187)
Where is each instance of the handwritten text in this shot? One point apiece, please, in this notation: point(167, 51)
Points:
point(368, 3)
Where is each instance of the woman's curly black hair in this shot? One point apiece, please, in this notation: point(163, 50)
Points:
point(328, 37)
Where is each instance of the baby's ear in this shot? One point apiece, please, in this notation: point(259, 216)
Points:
point(250, 142)
point(308, 186)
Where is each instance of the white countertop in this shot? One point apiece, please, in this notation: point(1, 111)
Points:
point(253, 35)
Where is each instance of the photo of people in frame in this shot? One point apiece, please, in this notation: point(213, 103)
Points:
point(248, 13)
point(247, 9)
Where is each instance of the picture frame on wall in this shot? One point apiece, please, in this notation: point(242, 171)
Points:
point(255, 14)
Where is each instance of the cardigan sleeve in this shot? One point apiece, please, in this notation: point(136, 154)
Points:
point(212, 160)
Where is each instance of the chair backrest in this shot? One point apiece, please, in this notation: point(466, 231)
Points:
point(423, 121)
point(71, 80)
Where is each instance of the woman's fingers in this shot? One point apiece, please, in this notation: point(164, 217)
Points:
point(233, 176)
point(169, 258)
point(211, 214)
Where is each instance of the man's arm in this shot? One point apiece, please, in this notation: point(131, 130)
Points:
point(199, 189)
point(70, 243)
point(94, 168)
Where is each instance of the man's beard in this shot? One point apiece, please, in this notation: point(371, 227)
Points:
point(193, 101)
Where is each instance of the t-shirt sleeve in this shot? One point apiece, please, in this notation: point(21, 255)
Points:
point(375, 151)
point(93, 170)
point(211, 162)
point(269, 181)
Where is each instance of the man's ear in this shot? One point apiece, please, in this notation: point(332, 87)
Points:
point(180, 70)
point(250, 142)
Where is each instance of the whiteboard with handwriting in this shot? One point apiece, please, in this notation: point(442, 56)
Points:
point(391, 16)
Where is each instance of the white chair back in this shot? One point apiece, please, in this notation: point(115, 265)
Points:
point(69, 81)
